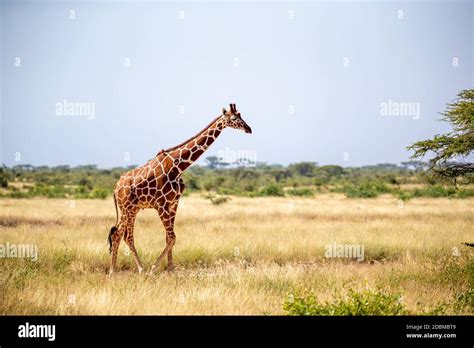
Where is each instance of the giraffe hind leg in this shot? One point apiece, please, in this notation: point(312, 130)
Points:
point(125, 231)
point(128, 237)
point(115, 239)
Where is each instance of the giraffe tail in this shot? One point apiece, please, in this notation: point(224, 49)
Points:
point(114, 228)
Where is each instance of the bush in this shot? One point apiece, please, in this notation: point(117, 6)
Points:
point(320, 181)
point(403, 194)
point(18, 194)
point(48, 191)
point(250, 187)
point(192, 183)
point(272, 189)
point(81, 192)
point(353, 303)
point(86, 182)
point(209, 184)
point(3, 178)
point(300, 192)
point(465, 193)
point(434, 191)
point(464, 299)
point(99, 193)
point(365, 190)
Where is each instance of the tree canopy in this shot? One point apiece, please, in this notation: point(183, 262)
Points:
point(451, 151)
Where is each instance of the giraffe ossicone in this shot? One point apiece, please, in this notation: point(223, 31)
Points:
point(158, 185)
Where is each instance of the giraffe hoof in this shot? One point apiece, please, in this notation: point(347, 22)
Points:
point(170, 268)
point(152, 270)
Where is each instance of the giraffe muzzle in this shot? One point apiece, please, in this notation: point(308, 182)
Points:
point(248, 129)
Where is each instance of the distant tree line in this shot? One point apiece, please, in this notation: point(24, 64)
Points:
point(260, 179)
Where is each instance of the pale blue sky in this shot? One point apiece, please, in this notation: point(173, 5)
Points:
point(284, 62)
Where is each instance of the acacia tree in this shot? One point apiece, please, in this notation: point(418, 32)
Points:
point(451, 151)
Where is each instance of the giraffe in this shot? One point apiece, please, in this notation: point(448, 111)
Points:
point(158, 185)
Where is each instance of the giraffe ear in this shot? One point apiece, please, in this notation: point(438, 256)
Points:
point(224, 111)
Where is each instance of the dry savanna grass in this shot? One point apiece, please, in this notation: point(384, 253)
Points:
point(241, 257)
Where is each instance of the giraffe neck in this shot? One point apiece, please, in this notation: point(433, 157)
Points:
point(188, 152)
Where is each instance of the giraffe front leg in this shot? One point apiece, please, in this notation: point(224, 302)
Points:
point(170, 240)
point(171, 235)
point(168, 221)
point(167, 215)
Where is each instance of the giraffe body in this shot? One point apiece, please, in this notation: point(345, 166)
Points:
point(158, 185)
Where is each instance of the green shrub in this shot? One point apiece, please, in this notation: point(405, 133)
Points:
point(3, 178)
point(365, 190)
point(353, 303)
point(86, 182)
point(300, 192)
point(403, 194)
point(464, 299)
point(208, 184)
point(250, 187)
point(81, 192)
point(272, 189)
point(192, 183)
point(18, 194)
point(99, 193)
point(434, 191)
point(465, 193)
point(48, 191)
point(320, 181)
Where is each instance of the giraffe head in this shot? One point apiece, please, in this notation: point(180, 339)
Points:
point(233, 119)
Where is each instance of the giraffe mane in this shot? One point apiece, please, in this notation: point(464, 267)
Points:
point(188, 140)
